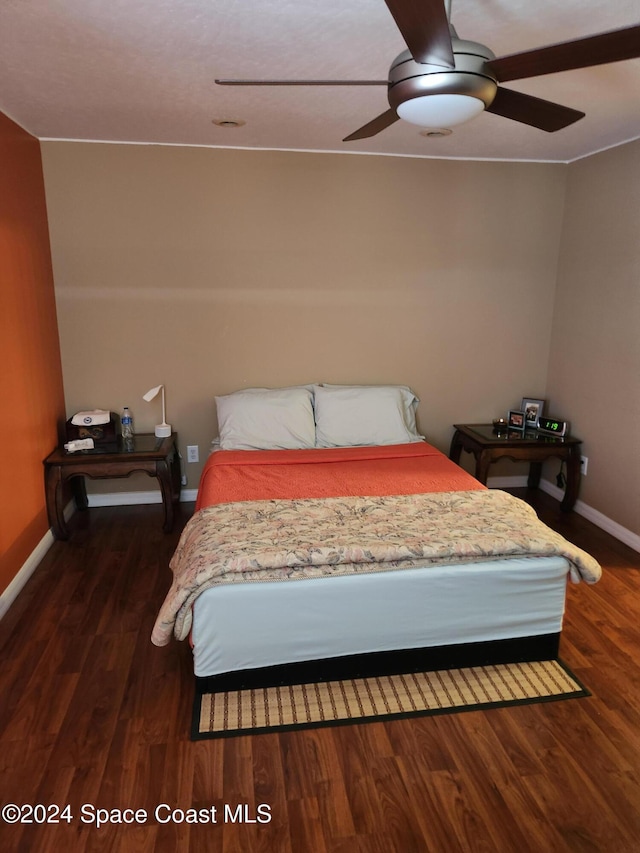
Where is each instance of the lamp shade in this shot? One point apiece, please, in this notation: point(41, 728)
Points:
point(431, 96)
point(440, 110)
point(162, 430)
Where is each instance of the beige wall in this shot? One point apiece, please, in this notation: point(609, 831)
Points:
point(212, 270)
point(594, 370)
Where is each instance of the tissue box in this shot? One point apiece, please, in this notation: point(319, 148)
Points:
point(105, 436)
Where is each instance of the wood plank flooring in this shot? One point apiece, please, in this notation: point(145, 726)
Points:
point(93, 716)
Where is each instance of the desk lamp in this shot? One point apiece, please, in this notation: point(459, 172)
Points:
point(163, 430)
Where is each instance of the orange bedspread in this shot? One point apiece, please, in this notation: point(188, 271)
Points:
point(401, 469)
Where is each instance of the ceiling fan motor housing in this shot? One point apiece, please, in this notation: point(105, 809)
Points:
point(471, 76)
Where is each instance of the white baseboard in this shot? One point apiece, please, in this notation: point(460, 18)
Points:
point(515, 482)
point(189, 495)
point(28, 568)
point(9, 595)
point(599, 519)
point(593, 515)
point(518, 482)
point(131, 498)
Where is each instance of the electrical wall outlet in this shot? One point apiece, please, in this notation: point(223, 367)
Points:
point(193, 453)
point(584, 464)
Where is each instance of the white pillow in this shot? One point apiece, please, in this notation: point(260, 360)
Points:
point(350, 415)
point(266, 419)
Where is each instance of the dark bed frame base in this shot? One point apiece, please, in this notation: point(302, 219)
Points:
point(515, 650)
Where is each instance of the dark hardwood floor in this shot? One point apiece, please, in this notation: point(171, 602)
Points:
point(94, 716)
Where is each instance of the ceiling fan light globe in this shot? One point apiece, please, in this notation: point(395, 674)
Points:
point(431, 96)
point(440, 110)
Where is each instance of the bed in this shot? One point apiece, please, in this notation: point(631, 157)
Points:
point(330, 540)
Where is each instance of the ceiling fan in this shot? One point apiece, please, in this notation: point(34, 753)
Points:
point(442, 81)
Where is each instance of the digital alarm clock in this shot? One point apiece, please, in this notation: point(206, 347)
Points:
point(553, 426)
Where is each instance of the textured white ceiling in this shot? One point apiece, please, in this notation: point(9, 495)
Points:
point(144, 70)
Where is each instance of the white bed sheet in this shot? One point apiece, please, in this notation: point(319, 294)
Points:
point(245, 626)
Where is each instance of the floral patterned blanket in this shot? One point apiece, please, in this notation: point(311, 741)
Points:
point(315, 537)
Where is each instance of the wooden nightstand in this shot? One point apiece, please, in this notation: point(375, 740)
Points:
point(488, 445)
point(157, 457)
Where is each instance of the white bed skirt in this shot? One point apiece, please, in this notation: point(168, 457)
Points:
point(246, 626)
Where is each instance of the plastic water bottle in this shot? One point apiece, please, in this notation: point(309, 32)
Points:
point(127, 425)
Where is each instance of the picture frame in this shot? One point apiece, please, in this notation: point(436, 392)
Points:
point(516, 419)
point(532, 409)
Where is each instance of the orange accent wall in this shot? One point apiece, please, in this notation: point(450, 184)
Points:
point(31, 390)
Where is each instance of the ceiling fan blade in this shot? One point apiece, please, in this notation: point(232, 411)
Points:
point(425, 29)
point(228, 82)
point(586, 52)
point(382, 122)
point(545, 115)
